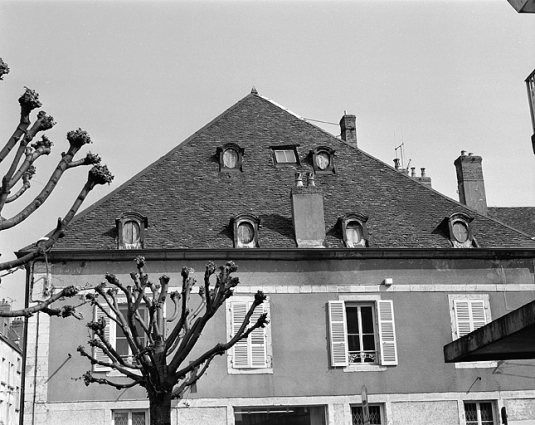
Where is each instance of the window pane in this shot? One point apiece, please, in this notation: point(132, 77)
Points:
point(486, 413)
point(285, 156)
point(368, 341)
point(470, 412)
point(230, 158)
point(138, 418)
point(131, 232)
point(353, 232)
point(353, 342)
point(121, 346)
point(120, 418)
point(358, 419)
point(460, 231)
point(367, 319)
point(280, 415)
point(352, 320)
point(245, 233)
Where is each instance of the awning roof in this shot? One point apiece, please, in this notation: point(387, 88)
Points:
point(510, 337)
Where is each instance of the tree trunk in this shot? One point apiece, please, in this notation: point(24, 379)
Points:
point(160, 408)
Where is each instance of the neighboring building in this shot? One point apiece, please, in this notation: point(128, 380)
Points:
point(368, 270)
point(10, 369)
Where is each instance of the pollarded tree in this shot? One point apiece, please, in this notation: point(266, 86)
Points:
point(161, 360)
point(19, 155)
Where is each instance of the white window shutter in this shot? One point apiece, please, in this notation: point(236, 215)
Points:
point(257, 340)
point(109, 334)
point(338, 333)
point(387, 332)
point(469, 316)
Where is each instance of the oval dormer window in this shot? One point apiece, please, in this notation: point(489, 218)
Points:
point(245, 233)
point(354, 233)
point(230, 158)
point(131, 234)
point(323, 160)
point(460, 231)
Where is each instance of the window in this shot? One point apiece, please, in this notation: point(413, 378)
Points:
point(479, 413)
point(121, 343)
point(357, 415)
point(116, 336)
point(131, 231)
point(354, 231)
point(245, 230)
point(469, 312)
point(251, 355)
point(323, 160)
point(285, 155)
point(129, 417)
point(280, 415)
point(362, 333)
point(230, 157)
point(459, 231)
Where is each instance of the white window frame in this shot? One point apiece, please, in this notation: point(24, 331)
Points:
point(130, 412)
point(247, 345)
point(495, 415)
point(283, 152)
point(110, 332)
point(466, 312)
point(385, 333)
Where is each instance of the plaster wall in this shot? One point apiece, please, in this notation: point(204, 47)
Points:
point(424, 413)
point(299, 291)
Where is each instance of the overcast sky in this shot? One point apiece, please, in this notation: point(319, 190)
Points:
point(140, 77)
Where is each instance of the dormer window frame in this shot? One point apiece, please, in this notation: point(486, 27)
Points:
point(284, 149)
point(318, 156)
point(131, 217)
point(221, 153)
point(458, 221)
point(244, 219)
point(345, 222)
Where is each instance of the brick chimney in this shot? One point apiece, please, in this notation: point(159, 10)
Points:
point(470, 182)
point(348, 129)
point(5, 306)
point(307, 213)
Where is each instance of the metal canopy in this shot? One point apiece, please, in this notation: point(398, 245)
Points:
point(510, 337)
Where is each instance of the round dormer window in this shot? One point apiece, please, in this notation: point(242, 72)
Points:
point(354, 233)
point(230, 158)
point(322, 160)
point(245, 233)
point(460, 231)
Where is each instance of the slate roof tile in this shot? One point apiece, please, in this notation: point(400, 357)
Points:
point(189, 203)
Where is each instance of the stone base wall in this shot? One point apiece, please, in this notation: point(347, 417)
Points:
point(396, 409)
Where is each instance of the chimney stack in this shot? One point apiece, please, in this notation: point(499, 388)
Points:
point(348, 129)
point(470, 182)
point(307, 213)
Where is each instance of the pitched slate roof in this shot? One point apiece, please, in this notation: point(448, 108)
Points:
point(521, 218)
point(189, 203)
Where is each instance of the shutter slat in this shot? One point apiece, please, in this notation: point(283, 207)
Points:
point(251, 352)
point(338, 333)
point(469, 316)
point(387, 332)
point(109, 334)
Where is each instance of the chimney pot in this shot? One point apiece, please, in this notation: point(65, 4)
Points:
point(413, 171)
point(463, 153)
point(423, 171)
point(396, 163)
point(298, 179)
point(311, 179)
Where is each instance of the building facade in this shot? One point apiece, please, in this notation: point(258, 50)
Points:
point(10, 368)
point(369, 272)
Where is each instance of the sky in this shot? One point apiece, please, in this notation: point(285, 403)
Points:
point(439, 76)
